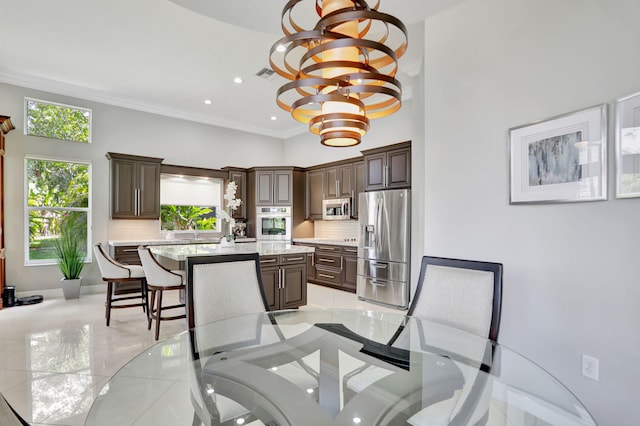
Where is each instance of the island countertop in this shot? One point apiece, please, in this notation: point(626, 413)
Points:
point(180, 252)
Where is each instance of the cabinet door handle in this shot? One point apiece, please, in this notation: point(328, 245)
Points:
point(282, 277)
point(313, 259)
point(326, 276)
point(268, 261)
point(292, 259)
point(326, 260)
point(128, 250)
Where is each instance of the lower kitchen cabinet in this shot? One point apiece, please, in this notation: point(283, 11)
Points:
point(284, 279)
point(350, 268)
point(333, 266)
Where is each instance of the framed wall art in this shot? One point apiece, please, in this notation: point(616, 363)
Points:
point(561, 159)
point(628, 146)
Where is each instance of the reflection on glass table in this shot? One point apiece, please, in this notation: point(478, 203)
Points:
point(333, 367)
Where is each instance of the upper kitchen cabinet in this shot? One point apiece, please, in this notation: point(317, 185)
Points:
point(135, 186)
point(315, 193)
point(274, 187)
point(239, 176)
point(339, 181)
point(277, 186)
point(388, 167)
point(359, 186)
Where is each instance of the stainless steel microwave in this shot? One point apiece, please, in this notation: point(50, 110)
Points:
point(336, 209)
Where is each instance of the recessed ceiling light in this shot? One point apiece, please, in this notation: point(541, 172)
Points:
point(207, 101)
point(273, 118)
point(281, 48)
point(237, 80)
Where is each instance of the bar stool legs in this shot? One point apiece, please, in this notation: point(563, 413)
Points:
point(109, 304)
point(156, 313)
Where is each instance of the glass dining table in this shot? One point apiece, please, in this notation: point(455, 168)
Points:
point(333, 367)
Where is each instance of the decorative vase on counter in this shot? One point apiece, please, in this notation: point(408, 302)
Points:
point(226, 242)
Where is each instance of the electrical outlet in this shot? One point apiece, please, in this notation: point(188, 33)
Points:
point(590, 367)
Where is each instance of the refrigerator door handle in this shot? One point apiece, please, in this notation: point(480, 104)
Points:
point(379, 218)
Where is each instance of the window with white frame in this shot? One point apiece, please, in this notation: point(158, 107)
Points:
point(57, 121)
point(190, 203)
point(58, 199)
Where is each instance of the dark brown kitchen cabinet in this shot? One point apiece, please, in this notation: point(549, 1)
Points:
point(315, 193)
point(332, 266)
point(284, 278)
point(311, 266)
point(350, 269)
point(339, 181)
point(126, 254)
point(135, 186)
point(388, 167)
point(240, 178)
point(359, 186)
point(274, 187)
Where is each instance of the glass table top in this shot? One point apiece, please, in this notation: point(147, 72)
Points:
point(333, 367)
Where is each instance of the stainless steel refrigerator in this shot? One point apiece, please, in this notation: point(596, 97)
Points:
point(384, 247)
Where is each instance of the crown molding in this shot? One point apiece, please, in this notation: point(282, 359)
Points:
point(65, 89)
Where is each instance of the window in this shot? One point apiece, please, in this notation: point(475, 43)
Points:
point(57, 197)
point(57, 121)
point(189, 203)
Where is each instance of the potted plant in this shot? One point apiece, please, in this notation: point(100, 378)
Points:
point(70, 258)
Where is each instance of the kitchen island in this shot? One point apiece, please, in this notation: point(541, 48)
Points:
point(178, 253)
point(282, 264)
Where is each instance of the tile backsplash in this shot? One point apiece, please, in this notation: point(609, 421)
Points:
point(336, 229)
point(133, 230)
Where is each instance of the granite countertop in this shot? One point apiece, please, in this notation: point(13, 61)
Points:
point(180, 252)
point(176, 241)
point(326, 241)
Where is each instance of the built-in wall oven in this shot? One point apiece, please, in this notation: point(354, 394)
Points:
point(273, 223)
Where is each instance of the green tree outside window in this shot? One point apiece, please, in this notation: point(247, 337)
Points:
point(58, 121)
point(57, 197)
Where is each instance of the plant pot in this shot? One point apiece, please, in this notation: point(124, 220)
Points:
point(71, 288)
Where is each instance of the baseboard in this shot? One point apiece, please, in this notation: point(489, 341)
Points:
point(56, 293)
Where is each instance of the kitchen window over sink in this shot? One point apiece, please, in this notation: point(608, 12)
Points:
point(188, 205)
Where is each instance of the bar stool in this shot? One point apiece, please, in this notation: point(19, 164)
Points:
point(160, 279)
point(112, 272)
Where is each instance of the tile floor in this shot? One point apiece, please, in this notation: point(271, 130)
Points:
point(56, 356)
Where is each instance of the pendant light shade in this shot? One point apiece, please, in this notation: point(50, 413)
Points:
point(341, 66)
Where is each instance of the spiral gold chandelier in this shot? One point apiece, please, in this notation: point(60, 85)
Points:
point(341, 68)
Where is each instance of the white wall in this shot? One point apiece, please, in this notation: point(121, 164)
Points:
point(571, 270)
point(114, 130)
point(306, 150)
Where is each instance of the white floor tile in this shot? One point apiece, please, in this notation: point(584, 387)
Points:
point(58, 355)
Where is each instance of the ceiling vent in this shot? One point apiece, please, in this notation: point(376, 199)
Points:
point(267, 74)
